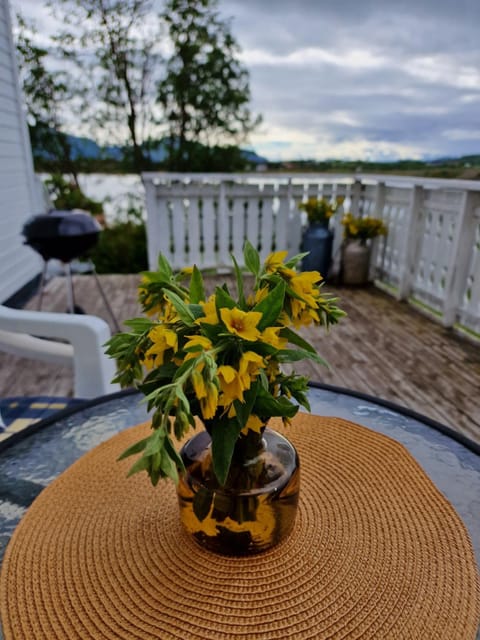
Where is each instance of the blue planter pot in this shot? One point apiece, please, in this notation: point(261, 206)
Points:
point(318, 240)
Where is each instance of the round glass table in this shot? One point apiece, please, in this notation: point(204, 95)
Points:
point(35, 459)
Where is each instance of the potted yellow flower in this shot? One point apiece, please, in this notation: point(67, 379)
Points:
point(317, 239)
point(357, 233)
point(216, 361)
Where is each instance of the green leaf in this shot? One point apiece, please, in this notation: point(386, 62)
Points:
point(252, 259)
point(155, 443)
point(294, 338)
point(168, 467)
point(140, 325)
point(271, 306)
point(223, 299)
point(296, 259)
point(197, 288)
point(224, 435)
point(302, 399)
point(266, 405)
point(155, 476)
point(181, 308)
point(173, 453)
point(196, 310)
point(135, 448)
point(211, 331)
point(164, 267)
point(142, 464)
point(294, 355)
point(184, 367)
point(262, 378)
point(244, 409)
point(239, 277)
point(202, 503)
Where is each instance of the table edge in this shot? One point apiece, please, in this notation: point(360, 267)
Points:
point(473, 446)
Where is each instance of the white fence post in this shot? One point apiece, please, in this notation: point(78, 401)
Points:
point(223, 227)
point(152, 222)
point(378, 208)
point(459, 260)
point(355, 195)
point(411, 244)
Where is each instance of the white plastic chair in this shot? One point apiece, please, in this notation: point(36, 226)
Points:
point(86, 335)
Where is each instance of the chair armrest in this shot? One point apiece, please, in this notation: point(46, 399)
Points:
point(93, 370)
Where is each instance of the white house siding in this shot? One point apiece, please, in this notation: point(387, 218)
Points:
point(19, 195)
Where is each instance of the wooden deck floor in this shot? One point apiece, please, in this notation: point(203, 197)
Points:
point(383, 348)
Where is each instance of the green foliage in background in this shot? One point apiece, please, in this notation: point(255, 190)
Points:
point(67, 195)
point(121, 248)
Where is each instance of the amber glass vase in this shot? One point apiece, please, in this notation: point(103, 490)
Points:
point(256, 507)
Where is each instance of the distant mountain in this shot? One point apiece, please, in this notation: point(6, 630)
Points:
point(253, 157)
point(88, 149)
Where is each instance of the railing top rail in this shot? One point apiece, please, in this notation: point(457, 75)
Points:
point(344, 178)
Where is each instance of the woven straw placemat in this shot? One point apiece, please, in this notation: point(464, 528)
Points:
point(376, 552)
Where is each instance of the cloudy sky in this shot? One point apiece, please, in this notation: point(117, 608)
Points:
point(368, 79)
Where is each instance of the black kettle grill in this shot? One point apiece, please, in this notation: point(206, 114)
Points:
point(65, 236)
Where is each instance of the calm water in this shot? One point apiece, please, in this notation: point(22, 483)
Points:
point(117, 191)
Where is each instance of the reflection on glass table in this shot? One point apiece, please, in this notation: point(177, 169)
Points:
point(31, 463)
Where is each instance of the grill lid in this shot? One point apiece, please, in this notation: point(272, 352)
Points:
point(63, 235)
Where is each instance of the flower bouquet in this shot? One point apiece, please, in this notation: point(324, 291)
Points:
point(356, 251)
point(320, 210)
point(362, 228)
point(219, 358)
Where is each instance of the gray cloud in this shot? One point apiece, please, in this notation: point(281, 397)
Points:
point(388, 78)
point(402, 77)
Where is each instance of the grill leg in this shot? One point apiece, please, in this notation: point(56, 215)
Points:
point(105, 299)
point(42, 285)
point(69, 283)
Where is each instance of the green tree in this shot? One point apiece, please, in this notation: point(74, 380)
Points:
point(115, 44)
point(205, 92)
point(46, 93)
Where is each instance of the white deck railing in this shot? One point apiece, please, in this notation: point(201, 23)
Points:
point(431, 254)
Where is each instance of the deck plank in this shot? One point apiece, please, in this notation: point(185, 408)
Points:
point(384, 348)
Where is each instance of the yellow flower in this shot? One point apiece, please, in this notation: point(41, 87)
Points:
point(231, 385)
point(275, 260)
point(249, 368)
point(146, 299)
point(271, 337)
point(210, 312)
point(305, 317)
point(254, 424)
point(169, 314)
point(163, 339)
point(272, 371)
point(197, 343)
point(304, 285)
point(153, 310)
point(260, 294)
point(209, 403)
point(305, 282)
point(199, 384)
point(284, 319)
point(242, 323)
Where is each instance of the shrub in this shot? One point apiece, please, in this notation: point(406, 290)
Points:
point(121, 248)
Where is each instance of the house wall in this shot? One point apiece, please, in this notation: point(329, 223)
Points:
point(19, 191)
